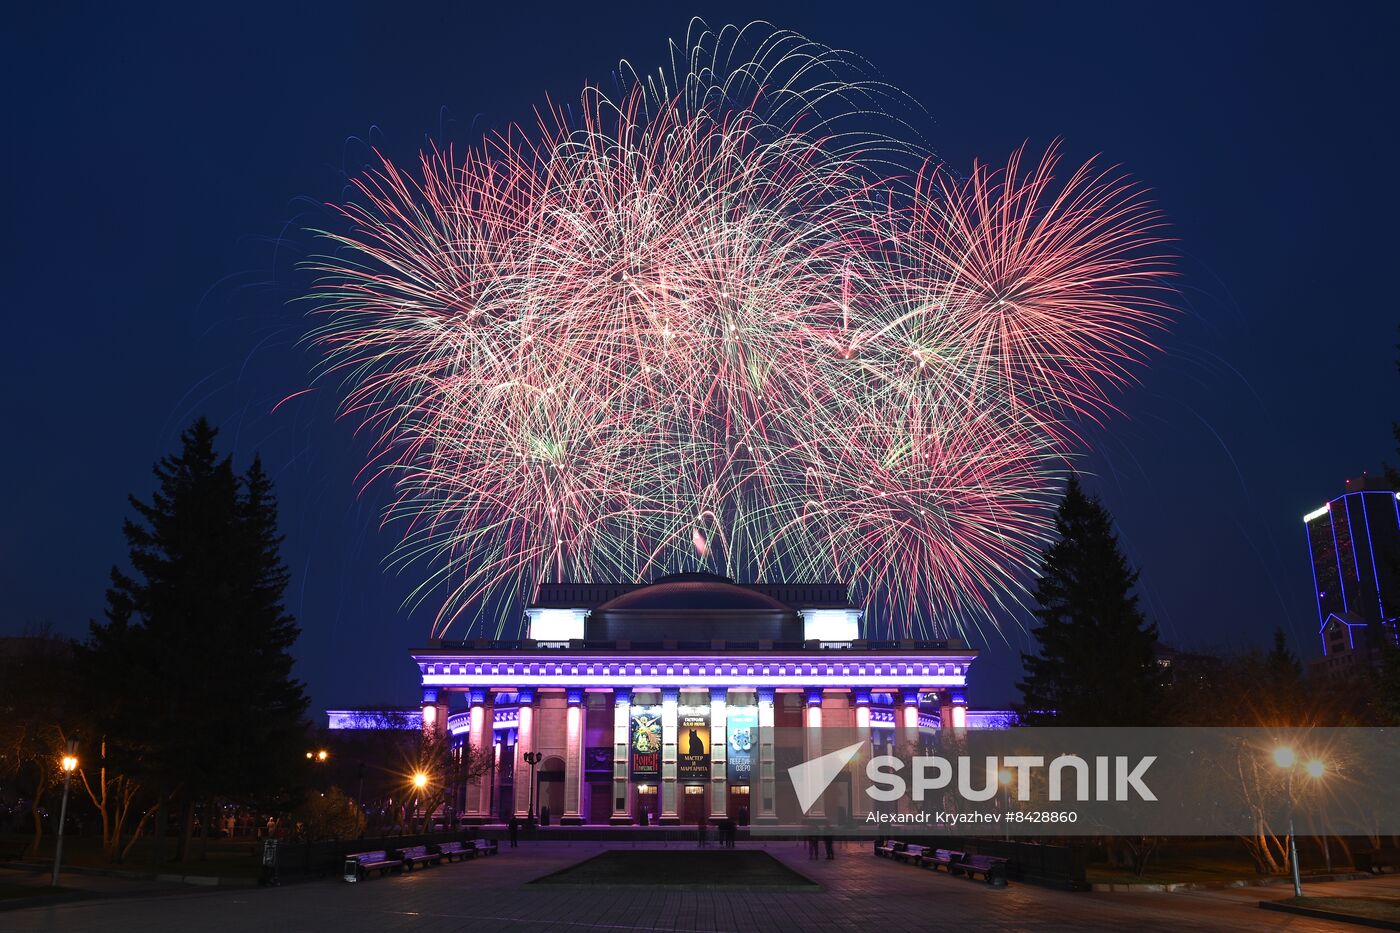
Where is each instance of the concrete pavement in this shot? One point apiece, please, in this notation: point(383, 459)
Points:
point(858, 892)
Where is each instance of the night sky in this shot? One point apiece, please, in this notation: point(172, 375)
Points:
point(163, 168)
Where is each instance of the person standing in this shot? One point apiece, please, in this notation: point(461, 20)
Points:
point(829, 840)
point(700, 833)
point(514, 832)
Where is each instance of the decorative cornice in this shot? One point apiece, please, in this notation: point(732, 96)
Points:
point(846, 670)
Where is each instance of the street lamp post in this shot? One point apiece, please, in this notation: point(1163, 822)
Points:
point(532, 759)
point(1293, 840)
point(1287, 759)
point(420, 781)
point(1005, 777)
point(70, 763)
point(319, 757)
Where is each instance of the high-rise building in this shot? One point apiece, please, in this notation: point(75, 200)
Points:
point(1354, 542)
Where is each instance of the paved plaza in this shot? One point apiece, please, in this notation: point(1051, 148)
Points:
point(858, 892)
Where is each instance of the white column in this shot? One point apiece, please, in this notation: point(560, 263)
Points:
point(860, 698)
point(497, 780)
point(812, 722)
point(480, 745)
point(719, 753)
point(524, 742)
point(953, 709)
point(763, 810)
point(434, 712)
point(622, 760)
point(435, 729)
point(670, 698)
point(909, 719)
point(573, 757)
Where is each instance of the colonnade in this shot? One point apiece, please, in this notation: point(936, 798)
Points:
point(529, 703)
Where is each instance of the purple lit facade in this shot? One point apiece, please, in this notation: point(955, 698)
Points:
point(1354, 545)
point(647, 702)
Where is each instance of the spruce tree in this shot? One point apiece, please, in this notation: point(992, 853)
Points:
point(1285, 671)
point(1095, 662)
point(165, 615)
point(195, 649)
point(269, 766)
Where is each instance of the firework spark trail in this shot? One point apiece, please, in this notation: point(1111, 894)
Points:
point(706, 324)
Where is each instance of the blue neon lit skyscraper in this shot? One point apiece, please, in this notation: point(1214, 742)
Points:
point(1354, 542)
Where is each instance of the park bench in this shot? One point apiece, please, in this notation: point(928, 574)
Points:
point(1376, 860)
point(453, 851)
point(417, 855)
point(890, 849)
point(484, 846)
point(911, 854)
point(941, 858)
point(359, 864)
point(990, 867)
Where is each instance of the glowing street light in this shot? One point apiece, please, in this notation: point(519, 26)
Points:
point(420, 781)
point(1317, 769)
point(1287, 759)
point(69, 763)
point(322, 755)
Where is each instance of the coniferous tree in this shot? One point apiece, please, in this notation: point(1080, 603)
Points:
point(269, 768)
point(163, 618)
point(194, 652)
point(1284, 670)
point(1095, 662)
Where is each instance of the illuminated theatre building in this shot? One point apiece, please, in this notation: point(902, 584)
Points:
point(644, 702)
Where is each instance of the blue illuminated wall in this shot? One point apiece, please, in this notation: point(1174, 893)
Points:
point(1354, 542)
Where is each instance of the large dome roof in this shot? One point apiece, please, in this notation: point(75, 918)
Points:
point(698, 592)
point(698, 607)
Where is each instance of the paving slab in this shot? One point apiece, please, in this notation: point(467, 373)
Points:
point(857, 891)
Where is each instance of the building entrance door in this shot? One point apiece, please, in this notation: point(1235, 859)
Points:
point(599, 802)
point(693, 804)
point(646, 804)
point(737, 808)
point(549, 795)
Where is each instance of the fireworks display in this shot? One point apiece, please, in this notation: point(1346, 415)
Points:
point(733, 318)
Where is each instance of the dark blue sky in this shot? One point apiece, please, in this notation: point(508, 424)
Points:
point(163, 164)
